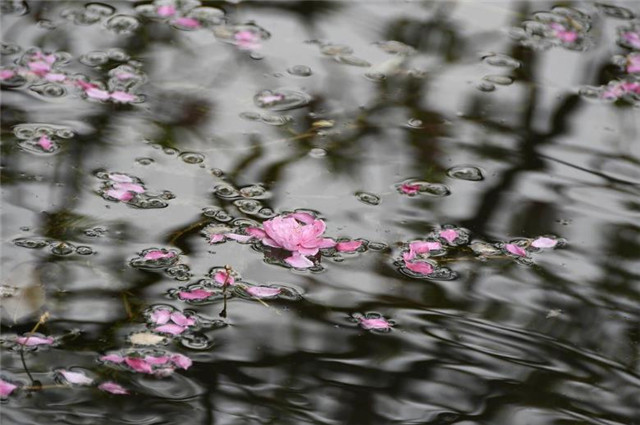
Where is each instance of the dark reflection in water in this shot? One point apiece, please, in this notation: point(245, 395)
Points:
point(166, 127)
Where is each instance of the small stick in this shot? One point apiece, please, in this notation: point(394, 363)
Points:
point(227, 269)
point(43, 318)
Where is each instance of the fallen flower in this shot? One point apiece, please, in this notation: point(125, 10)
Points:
point(113, 388)
point(34, 340)
point(262, 291)
point(515, 250)
point(543, 242)
point(77, 378)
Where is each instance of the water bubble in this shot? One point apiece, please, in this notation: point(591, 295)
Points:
point(96, 58)
point(170, 151)
point(218, 214)
point(256, 56)
point(122, 24)
point(395, 47)
point(464, 172)
point(226, 191)
point(251, 116)
point(352, 60)
point(486, 86)
point(244, 36)
point(248, 206)
point(207, 16)
point(62, 248)
point(415, 123)
point(30, 243)
point(49, 90)
point(375, 76)
point(192, 157)
point(276, 120)
point(47, 24)
point(145, 161)
point(590, 92)
point(84, 250)
point(500, 60)
point(266, 213)
point(484, 248)
point(64, 133)
point(149, 203)
point(434, 189)
point(244, 222)
point(253, 191)
point(9, 48)
point(23, 131)
point(368, 198)
point(95, 232)
point(300, 71)
point(615, 11)
point(317, 153)
point(100, 9)
point(281, 99)
point(14, 6)
point(217, 172)
point(335, 49)
point(118, 55)
point(195, 342)
point(180, 272)
point(502, 80)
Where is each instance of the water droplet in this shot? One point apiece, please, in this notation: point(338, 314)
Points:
point(434, 189)
point(281, 99)
point(217, 172)
point(500, 60)
point(170, 151)
point(368, 198)
point(256, 56)
point(395, 47)
point(49, 90)
point(335, 49)
point(254, 191)
point(486, 86)
point(317, 153)
point(251, 116)
point(248, 206)
point(375, 76)
point(23, 132)
point(502, 80)
point(207, 16)
point(192, 157)
point(463, 172)
point(415, 123)
point(218, 214)
point(145, 161)
point(118, 55)
point(226, 191)
point(276, 120)
point(94, 58)
point(180, 272)
point(195, 342)
point(84, 250)
point(47, 24)
point(266, 213)
point(64, 133)
point(30, 243)
point(122, 24)
point(615, 11)
point(62, 248)
point(100, 9)
point(300, 71)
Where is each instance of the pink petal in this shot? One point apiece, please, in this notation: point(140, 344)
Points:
point(221, 278)
point(449, 235)
point(124, 75)
point(138, 364)
point(419, 267)
point(113, 358)
point(348, 246)
point(633, 63)
point(32, 341)
point(6, 74)
point(216, 238)
point(166, 11)
point(120, 178)
point(237, 237)
point(180, 319)
point(45, 143)
point(423, 247)
point(196, 294)
point(85, 85)
point(121, 195)
point(76, 377)
point(158, 254)
point(40, 68)
point(122, 96)
point(187, 22)
point(131, 187)
point(160, 316)
point(409, 188)
point(55, 77)
point(330, 243)
point(271, 98)
point(303, 217)
point(163, 372)
point(170, 328)
point(632, 38)
point(113, 388)
point(543, 242)
point(6, 388)
point(298, 261)
point(181, 361)
point(378, 323)
point(262, 291)
point(96, 93)
point(515, 250)
point(256, 232)
point(152, 360)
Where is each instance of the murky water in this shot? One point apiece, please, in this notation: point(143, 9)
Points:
point(320, 212)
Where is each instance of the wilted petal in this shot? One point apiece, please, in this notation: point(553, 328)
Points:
point(419, 267)
point(195, 294)
point(299, 261)
point(262, 291)
point(221, 278)
point(180, 319)
point(181, 361)
point(6, 388)
point(187, 22)
point(32, 341)
point(170, 328)
point(120, 194)
point(96, 93)
point(45, 143)
point(424, 247)
point(516, 250)
point(348, 246)
point(131, 187)
point(216, 238)
point(449, 235)
point(138, 364)
point(78, 378)
point(409, 188)
point(375, 323)
point(158, 254)
point(166, 10)
point(237, 237)
point(39, 67)
point(123, 96)
point(256, 232)
point(120, 178)
point(160, 316)
point(6, 74)
point(113, 388)
point(303, 217)
point(113, 358)
point(152, 360)
point(543, 242)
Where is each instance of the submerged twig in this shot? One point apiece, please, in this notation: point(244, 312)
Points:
point(43, 318)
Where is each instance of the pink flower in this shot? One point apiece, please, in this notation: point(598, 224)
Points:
point(138, 364)
point(33, 341)
point(633, 63)
point(563, 34)
point(632, 38)
point(157, 254)
point(450, 235)
point(543, 242)
point(6, 74)
point(378, 323)
point(348, 246)
point(186, 22)
point(45, 143)
point(6, 388)
point(166, 11)
point(410, 188)
point(195, 294)
point(113, 388)
point(247, 40)
point(515, 250)
point(262, 291)
point(78, 378)
point(296, 236)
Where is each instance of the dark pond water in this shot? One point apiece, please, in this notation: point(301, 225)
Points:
point(307, 212)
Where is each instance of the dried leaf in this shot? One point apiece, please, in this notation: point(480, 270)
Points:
point(22, 294)
point(146, 338)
